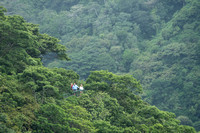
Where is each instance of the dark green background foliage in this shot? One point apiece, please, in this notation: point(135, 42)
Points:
point(158, 42)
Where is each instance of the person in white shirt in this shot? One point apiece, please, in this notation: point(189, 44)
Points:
point(81, 88)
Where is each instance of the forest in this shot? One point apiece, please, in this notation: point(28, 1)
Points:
point(138, 61)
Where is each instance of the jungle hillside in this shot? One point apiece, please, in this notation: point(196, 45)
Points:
point(138, 60)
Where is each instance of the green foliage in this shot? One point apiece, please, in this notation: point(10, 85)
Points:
point(89, 48)
point(185, 120)
point(44, 82)
point(128, 57)
point(169, 75)
point(22, 75)
point(21, 45)
point(156, 41)
point(66, 118)
point(45, 123)
point(108, 80)
point(2, 10)
point(16, 107)
point(101, 106)
point(121, 109)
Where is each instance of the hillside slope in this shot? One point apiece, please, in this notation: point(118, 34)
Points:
point(31, 95)
point(156, 41)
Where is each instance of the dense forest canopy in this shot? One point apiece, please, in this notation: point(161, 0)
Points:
point(156, 41)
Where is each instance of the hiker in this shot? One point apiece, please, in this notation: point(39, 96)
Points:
point(74, 88)
point(71, 85)
point(81, 88)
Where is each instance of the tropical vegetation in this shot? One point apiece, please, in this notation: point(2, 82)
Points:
point(158, 42)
